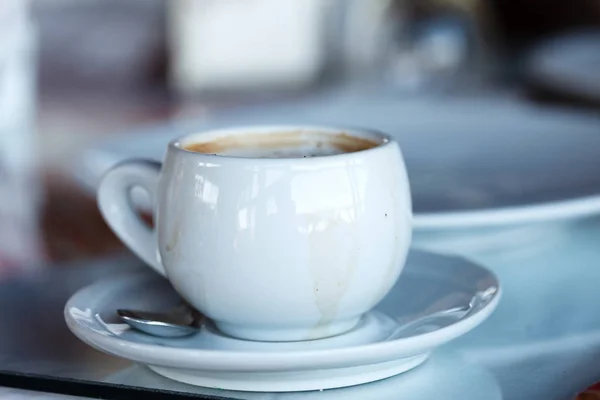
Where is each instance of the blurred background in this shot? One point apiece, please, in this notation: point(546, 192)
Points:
point(73, 72)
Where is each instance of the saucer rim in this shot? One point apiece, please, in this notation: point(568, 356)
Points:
point(555, 211)
point(252, 361)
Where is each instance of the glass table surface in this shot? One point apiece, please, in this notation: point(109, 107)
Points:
point(543, 341)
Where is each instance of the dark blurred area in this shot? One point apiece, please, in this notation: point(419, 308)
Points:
point(523, 23)
point(107, 46)
point(74, 72)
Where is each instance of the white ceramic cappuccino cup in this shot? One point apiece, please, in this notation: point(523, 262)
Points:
point(276, 233)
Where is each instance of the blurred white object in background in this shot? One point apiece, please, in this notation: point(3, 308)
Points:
point(16, 83)
point(367, 32)
point(233, 45)
point(437, 55)
point(19, 186)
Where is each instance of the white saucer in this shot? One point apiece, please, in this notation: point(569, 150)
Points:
point(379, 347)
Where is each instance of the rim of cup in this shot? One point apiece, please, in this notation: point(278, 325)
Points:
point(383, 140)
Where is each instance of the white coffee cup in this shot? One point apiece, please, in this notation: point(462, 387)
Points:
point(286, 233)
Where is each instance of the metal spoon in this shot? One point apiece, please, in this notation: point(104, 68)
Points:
point(445, 317)
point(168, 325)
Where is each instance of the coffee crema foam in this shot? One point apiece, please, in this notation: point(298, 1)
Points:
point(283, 145)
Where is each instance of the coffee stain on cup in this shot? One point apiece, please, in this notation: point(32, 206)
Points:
point(176, 228)
point(334, 255)
point(175, 235)
point(331, 274)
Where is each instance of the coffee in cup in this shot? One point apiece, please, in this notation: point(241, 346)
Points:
point(300, 144)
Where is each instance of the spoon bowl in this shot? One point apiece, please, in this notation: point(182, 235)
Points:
point(168, 325)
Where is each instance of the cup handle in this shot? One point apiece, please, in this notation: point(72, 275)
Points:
point(114, 201)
